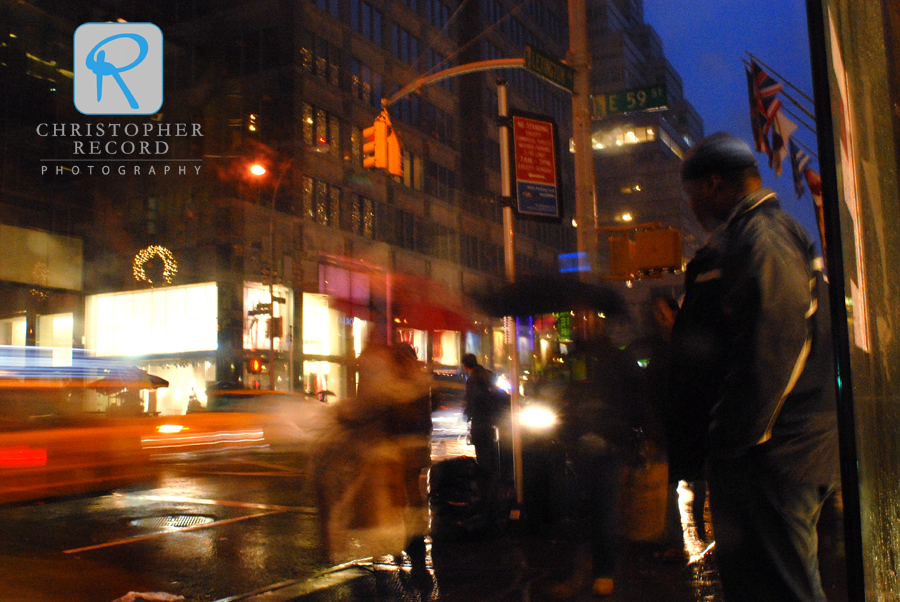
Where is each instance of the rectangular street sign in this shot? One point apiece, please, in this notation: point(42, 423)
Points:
point(534, 166)
point(626, 101)
point(549, 68)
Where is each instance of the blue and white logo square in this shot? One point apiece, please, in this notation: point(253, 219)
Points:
point(118, 69)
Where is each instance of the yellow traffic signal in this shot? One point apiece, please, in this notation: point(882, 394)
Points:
point(254, 365)
point(375, 153)
point(394, 154)
point(381, 149)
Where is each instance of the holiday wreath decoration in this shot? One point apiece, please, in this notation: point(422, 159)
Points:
point(144, 255)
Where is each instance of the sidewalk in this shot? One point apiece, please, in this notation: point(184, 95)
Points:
point(515, 562)
point(534, 560)
point(518, 562)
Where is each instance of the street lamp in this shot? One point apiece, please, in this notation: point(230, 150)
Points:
point(258, 170)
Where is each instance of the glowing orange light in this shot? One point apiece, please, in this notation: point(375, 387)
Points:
point(257, 170)
point(22, 457)
point(170, 428)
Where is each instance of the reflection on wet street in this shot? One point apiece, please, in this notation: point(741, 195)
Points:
point(696, 528)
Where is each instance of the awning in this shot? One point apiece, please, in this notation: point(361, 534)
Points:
point(130, 378)
point(423, 304)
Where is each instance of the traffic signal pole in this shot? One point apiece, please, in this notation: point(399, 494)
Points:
point(587, 234)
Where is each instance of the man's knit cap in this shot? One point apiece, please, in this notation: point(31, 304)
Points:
point(717, 153)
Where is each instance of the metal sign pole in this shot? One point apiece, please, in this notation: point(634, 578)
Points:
point(510, 324)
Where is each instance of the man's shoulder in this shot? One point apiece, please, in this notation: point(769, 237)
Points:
point(483, 372)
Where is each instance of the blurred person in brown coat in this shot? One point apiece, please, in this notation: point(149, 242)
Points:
point(370, 486)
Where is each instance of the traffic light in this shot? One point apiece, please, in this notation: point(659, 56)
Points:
point(394, 154)
point(375, 152)
point(382, 149)
point(254, 365)
point(644, 253)
point(275, 327)
point(657, 250)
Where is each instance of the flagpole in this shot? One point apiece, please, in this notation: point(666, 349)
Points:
point(786, 95)
point(797, 117)
point(781, 77)
point(807, 149)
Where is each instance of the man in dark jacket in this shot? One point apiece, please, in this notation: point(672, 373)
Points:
point(481, 411)
point(752, 377)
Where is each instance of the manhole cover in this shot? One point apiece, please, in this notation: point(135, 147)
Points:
point(174, 521)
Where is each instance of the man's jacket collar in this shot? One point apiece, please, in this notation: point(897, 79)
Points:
point(749, 203)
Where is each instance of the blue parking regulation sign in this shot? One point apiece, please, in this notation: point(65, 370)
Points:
point(118, 69)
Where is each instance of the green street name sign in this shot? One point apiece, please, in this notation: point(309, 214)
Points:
point(549, 68)
point(639, 99)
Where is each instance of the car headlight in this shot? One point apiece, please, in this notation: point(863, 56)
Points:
point(537, 418)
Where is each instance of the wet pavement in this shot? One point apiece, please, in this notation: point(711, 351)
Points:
point(522, 561)
point(512, 564)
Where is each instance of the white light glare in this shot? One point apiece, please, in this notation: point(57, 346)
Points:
point(536, 417)
point(170, 428)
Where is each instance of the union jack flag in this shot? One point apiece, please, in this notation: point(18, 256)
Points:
point(764, 106)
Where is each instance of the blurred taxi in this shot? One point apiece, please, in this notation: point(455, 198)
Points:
point(237, 419)
point(49, 447)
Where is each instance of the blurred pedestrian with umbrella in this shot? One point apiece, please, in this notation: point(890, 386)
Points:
point(603, 411)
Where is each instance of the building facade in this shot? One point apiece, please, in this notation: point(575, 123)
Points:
point(193, 265)
point(638, 152)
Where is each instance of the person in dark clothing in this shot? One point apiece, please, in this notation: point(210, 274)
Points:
point(753, 378)
point(603, 408)
point(481, 411)
point(685, 528)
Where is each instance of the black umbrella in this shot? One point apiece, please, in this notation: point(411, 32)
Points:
point(546, 294)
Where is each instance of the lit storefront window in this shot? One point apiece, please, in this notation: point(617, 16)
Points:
point(165, 320)
point(445, 348)
point(416, 339)
point(318, 338)
point(56, 331)
point(12, 331)
point(256, 299)
point(329, 336)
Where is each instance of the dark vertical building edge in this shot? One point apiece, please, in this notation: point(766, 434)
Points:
point(835, 266)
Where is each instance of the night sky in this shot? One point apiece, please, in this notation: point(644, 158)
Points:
point(705, 41)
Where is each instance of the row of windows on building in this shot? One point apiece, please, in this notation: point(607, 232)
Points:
point(330, 205)
point(434, 11)
point(419, 173)
point(546, 20)
point(327, 61)
point(344, 141)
